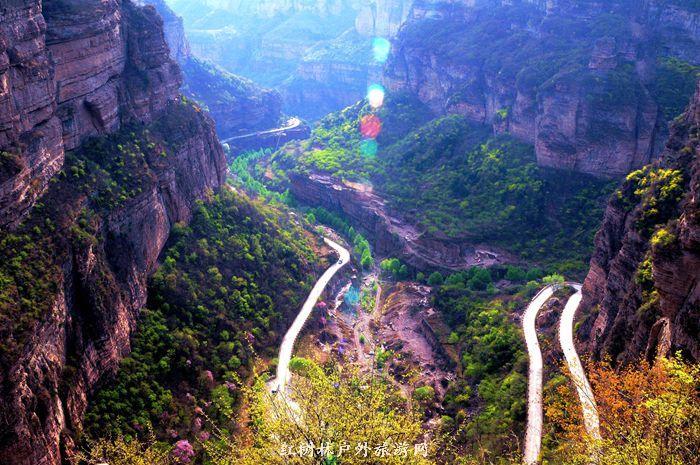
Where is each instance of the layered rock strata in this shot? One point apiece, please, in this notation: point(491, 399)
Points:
point(70, 71)
point(642, 294)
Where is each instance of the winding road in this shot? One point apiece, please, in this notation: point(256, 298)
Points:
point(290, 338)
point(292, 123)
point(578, 375)
point(533, 435)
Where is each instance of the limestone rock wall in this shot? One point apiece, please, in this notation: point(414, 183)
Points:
point(642, 294)
point(69, 70)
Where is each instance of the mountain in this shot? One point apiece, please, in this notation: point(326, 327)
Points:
point(53, 97)
point(101, 156)
point(592, 85)
point(317, 54)
point(237, 105)
point(641, 293)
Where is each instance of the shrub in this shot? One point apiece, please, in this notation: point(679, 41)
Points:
point(424, 394)
point(435, 279)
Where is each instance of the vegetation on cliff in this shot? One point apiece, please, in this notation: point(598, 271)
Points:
point(649, 261)
point(238, 105)
point(358, 419)
point(106, 173)
point(455, 179)
point(227, 286)
point(649, 415)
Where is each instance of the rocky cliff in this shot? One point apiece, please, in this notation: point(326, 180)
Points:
point(382, 18)
point(642, 294)
point(72, 70)
point(100, 157)
point(389, 234)
point(237, 105)
point(591, 85)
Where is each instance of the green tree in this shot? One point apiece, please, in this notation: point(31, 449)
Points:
point(436, 279)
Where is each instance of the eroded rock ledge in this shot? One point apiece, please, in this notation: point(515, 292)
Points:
point(642, 290)
point(71, 71)
point(389, 234)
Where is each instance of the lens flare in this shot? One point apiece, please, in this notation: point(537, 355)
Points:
point(380, 49)
point(370, 126)
point(375, 95)
point(368, 148)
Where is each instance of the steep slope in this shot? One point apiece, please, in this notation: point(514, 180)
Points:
point(237, 105)
point(642, 290)
point(317, 54)
point(102, 73)
point(230, 284)
point(98, 142)
point(590, 84)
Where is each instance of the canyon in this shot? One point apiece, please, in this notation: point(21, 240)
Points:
point(591, 85)
point(237, 105)
point(74, 72)
point(317, 54)
point(107, 146)
point(578, 80)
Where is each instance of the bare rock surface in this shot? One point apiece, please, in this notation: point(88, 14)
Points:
point(71, 70)
point(596, 114)
point(632, 314)
point(387, 231)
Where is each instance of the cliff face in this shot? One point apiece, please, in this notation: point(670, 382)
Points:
point(237, 105)
point(642, 290)
point(389, 234)
point(108, 65)
point(332, 75)
point(581, 81)
point(82, 255)
point(173, 28)
point(383, 18)
point(27, 110)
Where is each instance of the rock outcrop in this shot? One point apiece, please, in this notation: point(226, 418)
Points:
point(173, 28)
point(100, 289)
point(581, 81)
point(30, 132)
point(389, 234)
point(237, 105)
point(382, 18)
point(642, 293)
point(108, 65)
point(73, 70)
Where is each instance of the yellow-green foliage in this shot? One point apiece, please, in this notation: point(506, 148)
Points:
point(326, 407)
point(649, 415)
point(658, 191)
point(123, 452)
point(663, 239)
point(227, 284)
